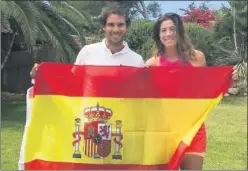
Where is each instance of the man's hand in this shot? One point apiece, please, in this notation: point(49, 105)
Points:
point(34, 70)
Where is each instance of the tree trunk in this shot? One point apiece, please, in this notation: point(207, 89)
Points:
point(234, 29)
point(9, 50)
point(144, 10)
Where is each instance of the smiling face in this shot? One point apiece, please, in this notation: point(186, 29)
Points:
point(115, 29)
point(168, 34)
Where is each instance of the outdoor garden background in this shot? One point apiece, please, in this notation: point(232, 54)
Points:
point(55, 31)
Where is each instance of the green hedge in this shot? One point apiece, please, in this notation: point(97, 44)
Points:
point(139, 38)
point(201, 38)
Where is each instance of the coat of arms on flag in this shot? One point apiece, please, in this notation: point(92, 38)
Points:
point(97, 134)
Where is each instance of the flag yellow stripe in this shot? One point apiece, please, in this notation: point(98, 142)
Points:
point(152, 128)
point(188, 137)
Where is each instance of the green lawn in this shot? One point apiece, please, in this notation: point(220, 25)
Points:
point(227, 136)
point(226, 130)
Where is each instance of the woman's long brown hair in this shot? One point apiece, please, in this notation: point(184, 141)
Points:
point(184, 47)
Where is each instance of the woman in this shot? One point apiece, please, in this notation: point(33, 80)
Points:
point(174, 49)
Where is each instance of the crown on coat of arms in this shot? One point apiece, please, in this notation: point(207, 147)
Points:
point(98, 113)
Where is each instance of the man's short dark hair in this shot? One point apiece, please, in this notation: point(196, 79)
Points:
point(114, 9)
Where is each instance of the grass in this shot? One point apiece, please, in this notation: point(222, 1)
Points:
point(227, 136)
point(226, 131)
point(12, 126)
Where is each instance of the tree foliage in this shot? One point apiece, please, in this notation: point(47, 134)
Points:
point(134, 8)
point(225, 26)
point(39, 20)
point(137, 8)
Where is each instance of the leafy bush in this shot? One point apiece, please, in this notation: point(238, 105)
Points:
point(201, 38)
point(139, 38)
point(146, 49)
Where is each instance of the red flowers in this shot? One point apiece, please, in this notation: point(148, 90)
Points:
point(196, 15)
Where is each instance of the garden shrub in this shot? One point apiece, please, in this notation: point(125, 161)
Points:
point(201, 38)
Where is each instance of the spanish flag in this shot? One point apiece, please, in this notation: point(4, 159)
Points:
point(114, 118)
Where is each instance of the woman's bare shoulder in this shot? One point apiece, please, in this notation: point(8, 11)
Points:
point(198, 58)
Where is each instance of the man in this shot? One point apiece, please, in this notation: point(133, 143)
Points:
point(113, 50)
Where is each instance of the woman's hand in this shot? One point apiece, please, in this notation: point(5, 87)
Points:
point(235, 73)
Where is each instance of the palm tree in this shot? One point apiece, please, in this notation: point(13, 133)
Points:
point(40, 20)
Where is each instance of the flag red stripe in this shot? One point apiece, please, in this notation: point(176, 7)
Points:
point(174, 164)
point(176, 159)
point(132, 82)
point(45, 165)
